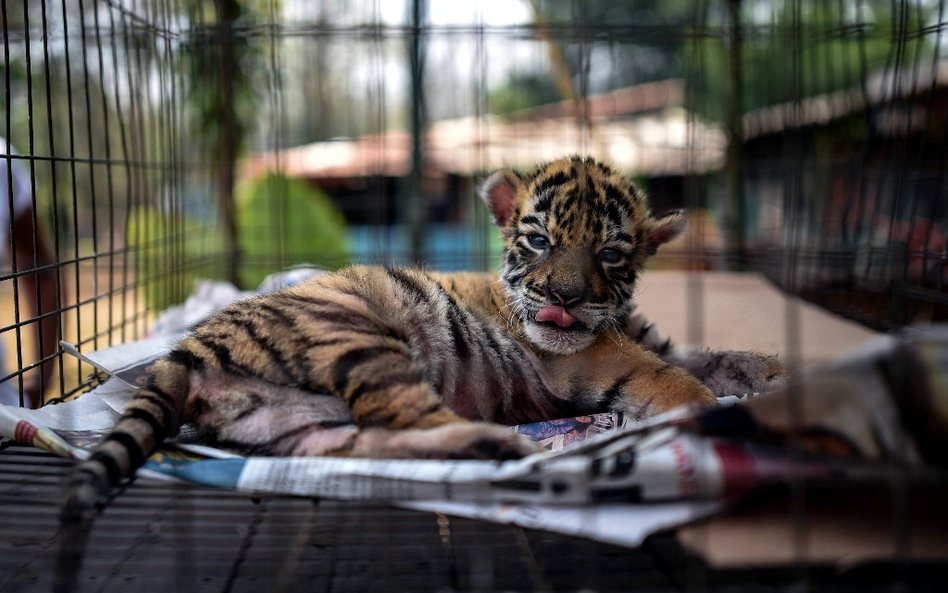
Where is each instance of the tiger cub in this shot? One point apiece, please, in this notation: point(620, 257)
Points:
point(398, 362)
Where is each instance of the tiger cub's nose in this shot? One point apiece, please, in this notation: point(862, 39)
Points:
point(566, 297)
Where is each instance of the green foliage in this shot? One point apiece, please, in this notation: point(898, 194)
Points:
point(814, 50)
point(225, 71)
point(523, 91)
point(170, 253)
point(284, 221)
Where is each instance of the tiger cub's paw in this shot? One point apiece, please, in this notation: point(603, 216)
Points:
point(459, 440)
point(487, 441)
point(742, 373)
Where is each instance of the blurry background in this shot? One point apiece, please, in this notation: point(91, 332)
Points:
point(166, 141)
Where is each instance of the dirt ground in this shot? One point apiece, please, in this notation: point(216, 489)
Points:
point(744, 311)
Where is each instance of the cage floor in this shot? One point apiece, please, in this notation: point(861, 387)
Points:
point(160, 537)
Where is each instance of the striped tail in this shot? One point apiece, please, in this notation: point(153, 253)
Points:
point(153, 416)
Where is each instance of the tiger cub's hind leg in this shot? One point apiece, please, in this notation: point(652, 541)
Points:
point(256, 417)
point(260, 418)
point(368, 337)
point(323, 340)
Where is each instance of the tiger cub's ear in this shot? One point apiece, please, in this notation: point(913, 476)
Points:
point(499, 193)
point(662, 230)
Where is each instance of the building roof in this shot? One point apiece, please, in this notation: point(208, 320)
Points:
point(649, 96)
point(640, 130)
point(880, 88)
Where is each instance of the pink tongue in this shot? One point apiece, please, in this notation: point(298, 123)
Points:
point(557, 315)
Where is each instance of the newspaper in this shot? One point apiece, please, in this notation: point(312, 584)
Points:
point(598, 496)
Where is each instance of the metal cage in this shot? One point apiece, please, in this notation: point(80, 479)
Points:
point(150, 143)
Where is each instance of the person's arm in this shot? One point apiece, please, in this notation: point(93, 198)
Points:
point(39, 295)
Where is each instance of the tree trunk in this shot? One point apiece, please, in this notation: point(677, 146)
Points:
point(734, 207)
point(226, 151)
point(416, 203)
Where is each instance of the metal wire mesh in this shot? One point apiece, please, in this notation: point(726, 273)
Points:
point(134, 125)
point(158, 537)
point(168, 140)
point(92, 108)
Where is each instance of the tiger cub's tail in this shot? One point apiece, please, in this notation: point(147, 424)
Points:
point(152, 416)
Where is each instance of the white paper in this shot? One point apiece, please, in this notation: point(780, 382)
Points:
point(619, 524)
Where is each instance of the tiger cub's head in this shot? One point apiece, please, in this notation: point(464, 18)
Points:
point(576, 236)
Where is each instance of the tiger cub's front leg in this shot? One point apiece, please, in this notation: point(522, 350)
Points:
point(724, 372)
point(624, 377)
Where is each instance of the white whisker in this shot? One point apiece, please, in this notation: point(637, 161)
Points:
point(615, 333)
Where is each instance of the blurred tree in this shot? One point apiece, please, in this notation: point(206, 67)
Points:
point(632, 42)
point(596, 46)
point(773, 54)
point(608, 45)
point(523, 90)
point(338, 85)
point(794, 50)
point(223, 63)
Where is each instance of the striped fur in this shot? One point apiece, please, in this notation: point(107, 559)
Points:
point(394, 362)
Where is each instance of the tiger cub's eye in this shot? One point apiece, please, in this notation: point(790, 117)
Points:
point(538, 241)
point(610, 256)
